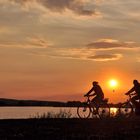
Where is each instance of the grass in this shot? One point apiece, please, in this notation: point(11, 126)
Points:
point(60, 114)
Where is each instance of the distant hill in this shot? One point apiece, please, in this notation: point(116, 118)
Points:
point(15, 102)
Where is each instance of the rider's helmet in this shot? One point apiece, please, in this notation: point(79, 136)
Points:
point(95, 83)
point(135, 82)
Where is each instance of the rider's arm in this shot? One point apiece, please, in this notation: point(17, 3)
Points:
point(134, 93)
point(130, 91)
point(92, 89)
point(94, 94)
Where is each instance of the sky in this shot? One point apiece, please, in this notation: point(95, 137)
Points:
point(54, 49)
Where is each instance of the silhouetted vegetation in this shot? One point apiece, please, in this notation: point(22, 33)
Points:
point(60, 114)
point(70, 129)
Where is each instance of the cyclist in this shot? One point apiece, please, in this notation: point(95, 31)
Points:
point(136, 90)
point(98, 93)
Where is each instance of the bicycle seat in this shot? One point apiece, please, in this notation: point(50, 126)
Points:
point(105, 100)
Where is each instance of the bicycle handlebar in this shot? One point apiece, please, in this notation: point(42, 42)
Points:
point(130, 96)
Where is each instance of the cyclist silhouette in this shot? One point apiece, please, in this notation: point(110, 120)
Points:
point(98, 93)
point(136, 90)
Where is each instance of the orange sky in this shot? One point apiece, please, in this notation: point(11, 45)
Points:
point(53, 50)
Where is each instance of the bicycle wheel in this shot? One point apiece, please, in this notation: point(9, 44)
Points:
point(104, 111)
point(84, 112)
point(126, 110)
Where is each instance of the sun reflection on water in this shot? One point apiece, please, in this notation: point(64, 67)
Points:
point(113, 111)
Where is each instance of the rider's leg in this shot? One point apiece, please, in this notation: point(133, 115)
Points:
point(134, 98)
point(96, 101)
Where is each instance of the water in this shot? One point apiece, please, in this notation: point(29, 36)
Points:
point(31, 112)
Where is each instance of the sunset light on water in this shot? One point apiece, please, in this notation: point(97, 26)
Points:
point(113, 111)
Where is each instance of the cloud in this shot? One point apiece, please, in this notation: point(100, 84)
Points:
point(82, 53)
point(29, 42)
point(105, 57)
point(102, 57)
point(78, 54)
point(111, 44)
point(78, 7)
point(38, 42)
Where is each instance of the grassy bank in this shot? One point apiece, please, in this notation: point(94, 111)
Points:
point(69, 129)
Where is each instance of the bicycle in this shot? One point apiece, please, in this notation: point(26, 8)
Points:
point(127, 108)
point(101, 110)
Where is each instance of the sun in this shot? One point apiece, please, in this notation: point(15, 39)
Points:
point(113, 83)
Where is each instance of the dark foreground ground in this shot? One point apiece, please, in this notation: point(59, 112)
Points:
point(70, 129)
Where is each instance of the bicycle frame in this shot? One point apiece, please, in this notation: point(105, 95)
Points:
point(129, 100)
point(95, 106)
point(88, 101)
point(92, 109)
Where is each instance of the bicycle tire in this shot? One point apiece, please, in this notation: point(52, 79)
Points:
point(84, 112)
point(104, 111)
point(126, 110)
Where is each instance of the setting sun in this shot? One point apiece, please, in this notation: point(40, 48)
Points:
point(113, 83)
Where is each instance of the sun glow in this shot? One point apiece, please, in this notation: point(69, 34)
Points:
point(113, 83)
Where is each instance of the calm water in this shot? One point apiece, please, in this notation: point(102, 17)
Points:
point(30, 112)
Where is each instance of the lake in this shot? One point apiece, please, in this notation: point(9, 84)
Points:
point(32, 112)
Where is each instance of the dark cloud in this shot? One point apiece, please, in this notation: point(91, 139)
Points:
point(102, 57)
point(105, 57)
point(111, 44)
point(76, 6)
point(20, 1)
